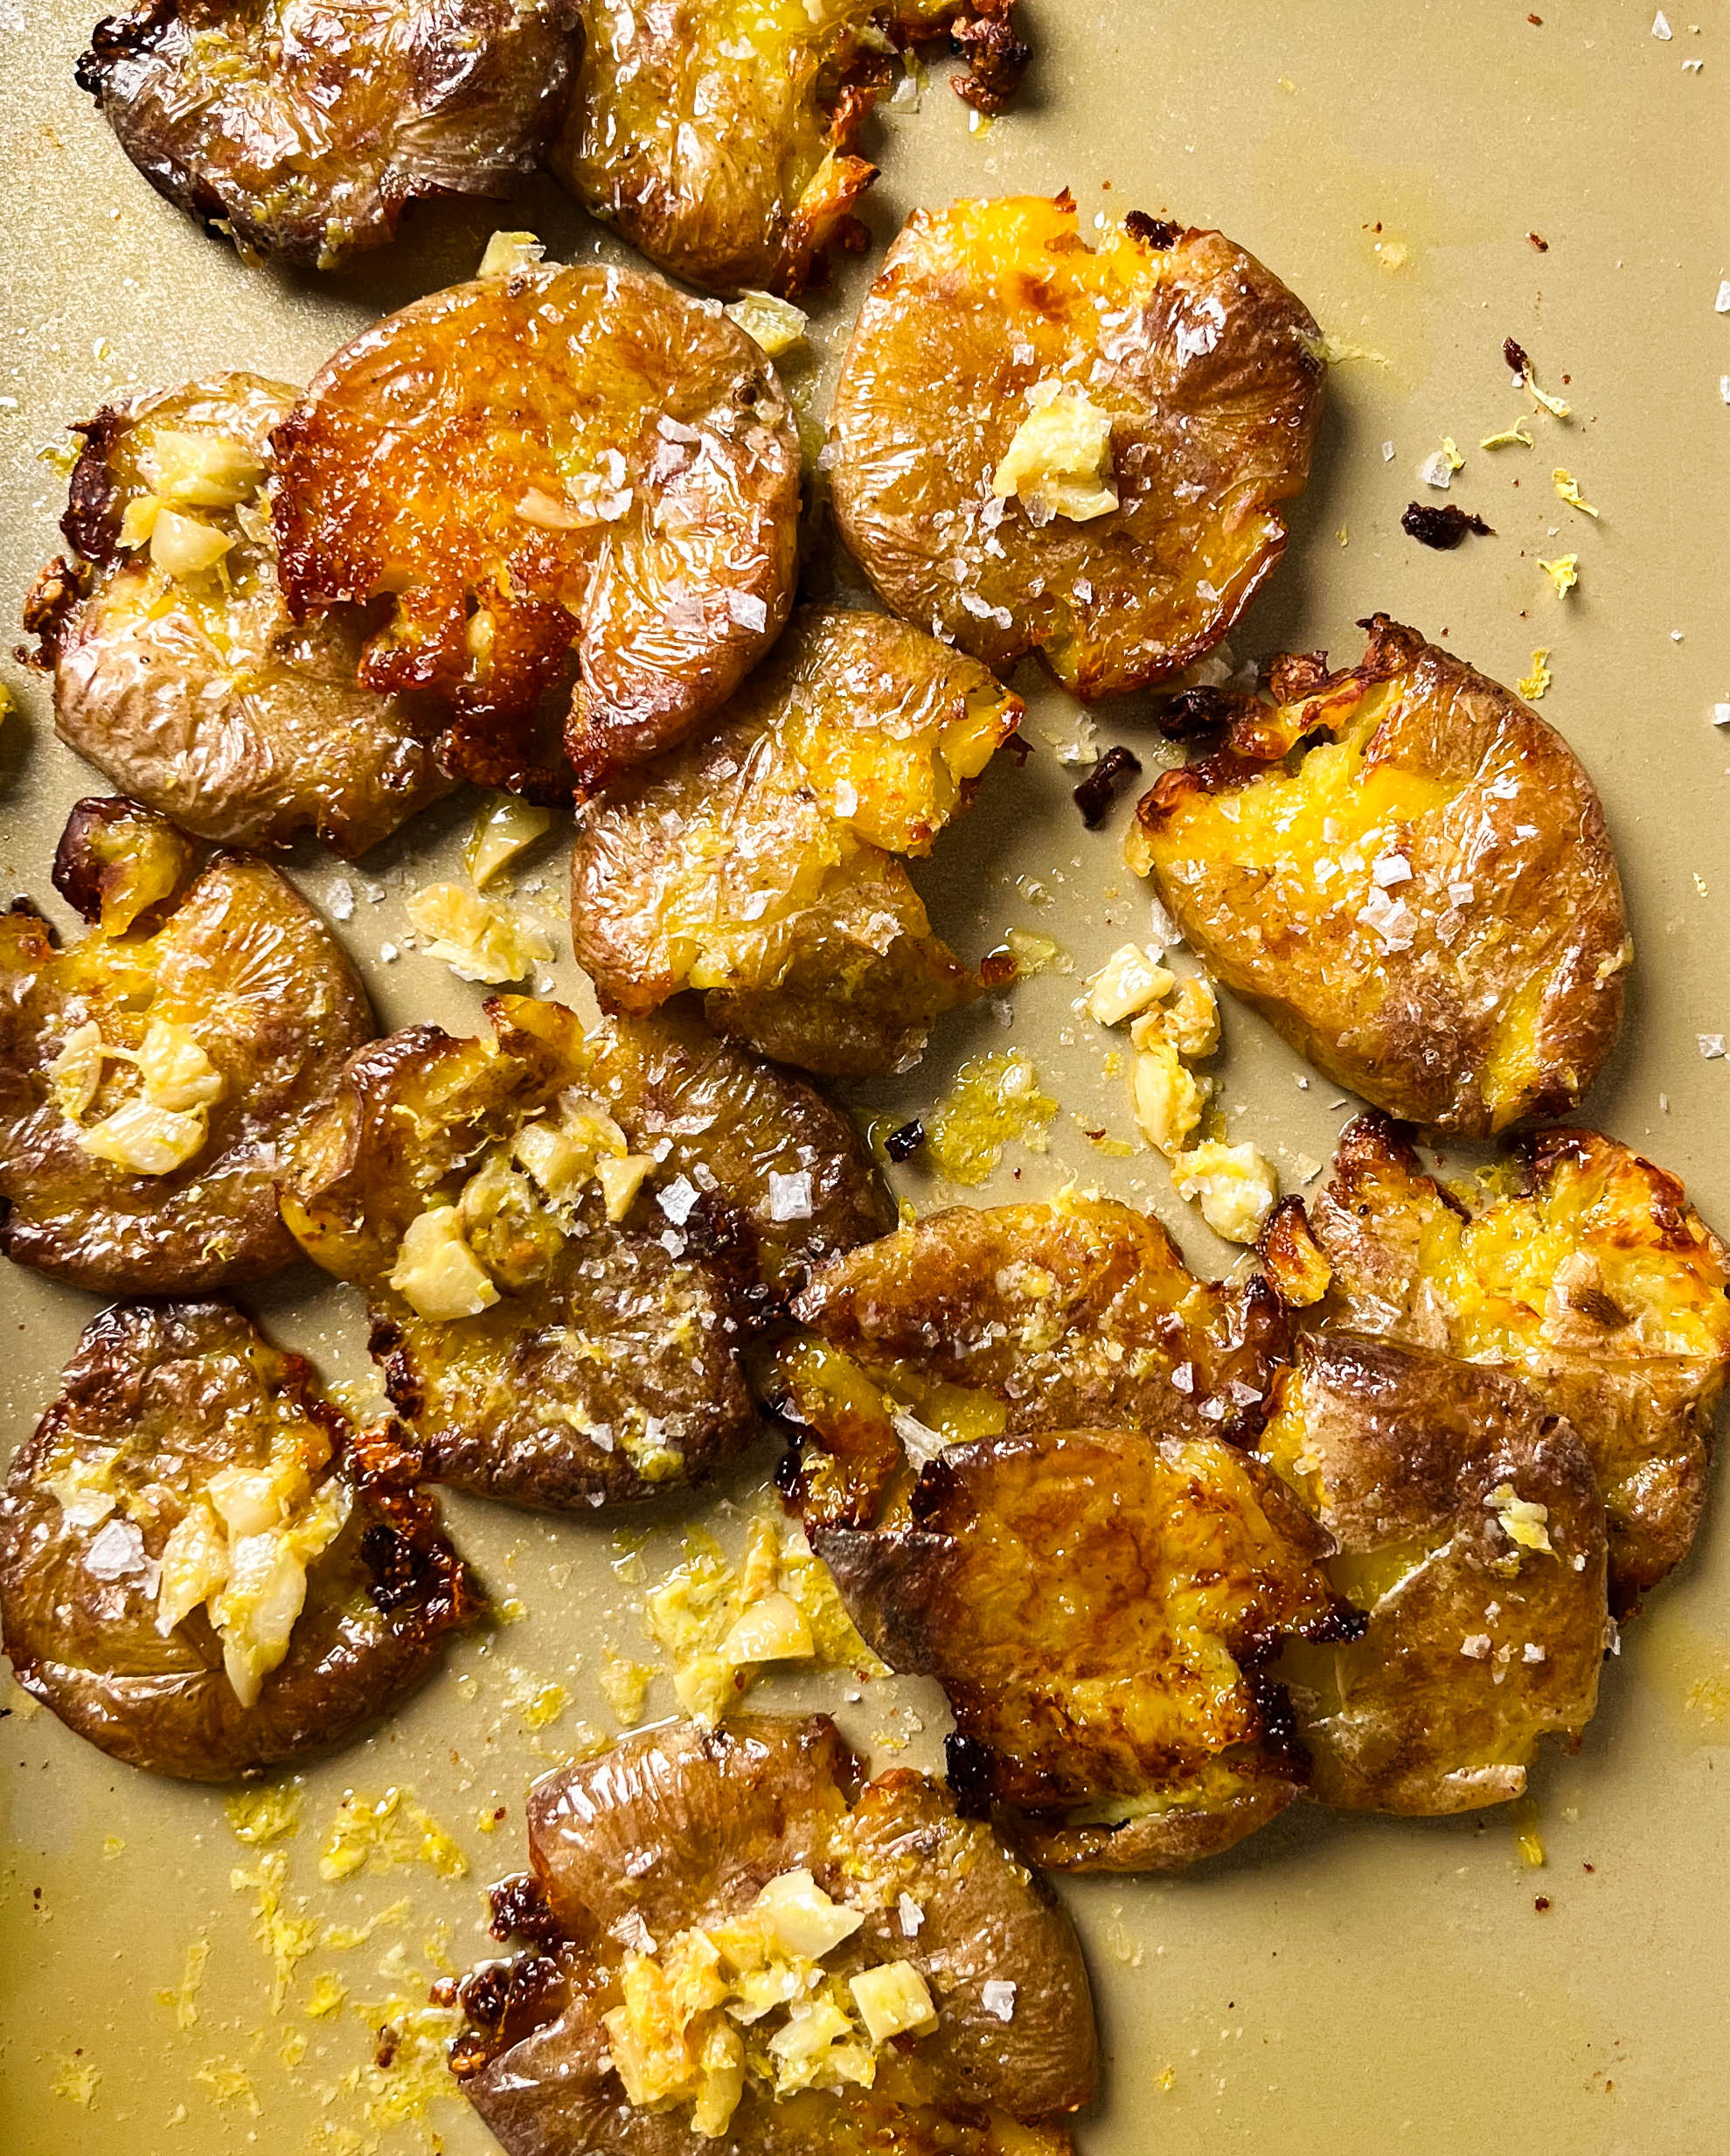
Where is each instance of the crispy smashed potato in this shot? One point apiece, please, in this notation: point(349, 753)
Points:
point(565, 1239)
point(1025, 1318)
point(177, 669)
point(1042, 446)
point(761, 865)
point(1098, 1605)
point(551, 471)
point(304, 128)
point(723, 140)
point(154, 1072)
point(202, 1570)
point(1467, 1526)
point(1407, 871)
point(1581, 1268)
point(731, 1938)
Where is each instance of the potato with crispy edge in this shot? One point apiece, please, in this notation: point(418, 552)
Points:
point(722, 140)
point(189, 687)
point(1163, 385)
point(303, 128)
point(625, 1208)
point(151, 1076)
point(1098, 1606)
point(761, 865)
point(1581, 1268)
point(1466, 1525)
point(1024, 1318)
point(550, 472)
point(165, 1410)
point(669, 1838)
point(1407, 871)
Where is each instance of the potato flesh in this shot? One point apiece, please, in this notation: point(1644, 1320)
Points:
point(1207, 367)
point(403, 472)
point(760, 867)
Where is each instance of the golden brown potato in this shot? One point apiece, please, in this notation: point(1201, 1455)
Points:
point(1097, 1605)
point(690, 1883)
point(566, 1239)
point(1024, 1318)
point(152, 1075)
point(1580, 1269)
point(722, 140)
point(1467, 1526)
point(1045, 446)
point(177, 669)
point(304, 128)
point(1407, 872)
point(547, 472)
point(203, 1569)
point(760, 865)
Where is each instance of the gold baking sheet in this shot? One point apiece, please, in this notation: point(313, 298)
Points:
point(1348, 1986)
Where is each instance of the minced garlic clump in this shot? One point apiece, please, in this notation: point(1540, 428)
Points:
point(1059, 462)
point(161, 1126)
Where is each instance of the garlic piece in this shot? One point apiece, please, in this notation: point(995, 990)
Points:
point(183, 546)
point(1235, 1184)
point(1059, 461)
point(436, 1272)
point(1168, 1099)
point(893, 2000)
point(146, 1138)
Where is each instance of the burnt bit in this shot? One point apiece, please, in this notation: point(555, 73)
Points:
point(1193, 714)
point(902, 1145)
point(1541, 1903)
point(1443, 527)
point(519, 1910)
point(53, 597)
point(1097, 792)
point(997, 58)
point(1515, 353)
point(402, 1574)
point(968, 1766)
point(1542, 245)
point(1158, 233)
point(503, 2001)
point(996, 969)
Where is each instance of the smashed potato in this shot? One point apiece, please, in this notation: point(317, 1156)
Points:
point(203, 1569)
point(184, 679)
point(154, 1072)
point(1097, 1606)
point(1025, 1318)
point(566, 1239)
point(1467, 1526)
point(1578, 1267)
point(731, 1938)
point(1407, 871)
point(545, 473)
point(761, 865)
point(305, 129)
point(722, 140)
point(1042, 446)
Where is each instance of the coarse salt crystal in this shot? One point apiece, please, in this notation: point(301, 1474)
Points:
point(911, 1914)
point(1661, 26)
point(1391, 868)
point(1476, 1646)
point(1531, 1651)
point(341, 899)
point(1712, 1046)
point(1720, 712)
point(1723, 300)
point(678, 1200)
point(790, 1195)
point(1387, 452)
point(1435, 471)
point(997, 1997)
point(1459, 894)
point(747, 611)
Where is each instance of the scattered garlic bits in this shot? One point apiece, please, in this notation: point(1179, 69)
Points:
point(1568, 487)
point(505, 826)
point(1563, 573)
point(156, 1128)
point(1060, 460)
point(184, 471)
point(719, 1626)
point(1129, 980)
point(775, 325)
point(477, 938)
point(1525, 1524)
point(1533, 685)
point(749, 2001)
point(1236, 1186)
point(995, 1101)
point(386, 1834)
point(264, 1813)
point(508, 251)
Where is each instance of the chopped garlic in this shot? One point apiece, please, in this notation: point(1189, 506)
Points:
point(183, 546)
point(176, 1071)
point(801, 1918)
point(194, 1565)
point(1168, 1099)
point(1236, 1186)
point(505, 826)
point(620, 1179)
point(1127, 983)
point(1189, 1019)
point(75, 1075)
point(773, 1629)
point(145, 1138)
point(1520, 1520)
point(508, 251)
point(138, 521)
point(1533, 685)
point(894, 2000)
point(1059, 461)
point(478, 939)
point(774, 324)
point(437, 1273)
point(201, 471)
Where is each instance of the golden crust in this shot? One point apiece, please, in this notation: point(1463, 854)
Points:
point(1207, 367)
point(1581, 1270)
point(1429, 909)
point(234, 955)
point(304, 130)
point(200, 698)
point(762, 864)
point(177, 1392)
point(1425, 1471)
point(634, 524)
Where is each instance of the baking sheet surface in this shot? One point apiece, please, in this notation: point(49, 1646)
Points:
point(1351, 1986)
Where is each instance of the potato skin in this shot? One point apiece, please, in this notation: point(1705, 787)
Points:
point(1209, 368)
point(183, 1389)
point(679, 1826)
point(722, 141)
point(1493, 992)
point(1477, 1648)
point(394, 476)
point(238, 957)
point(209, 705)
point(1586, 1274)
point(307, 128)
point(762, 863)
